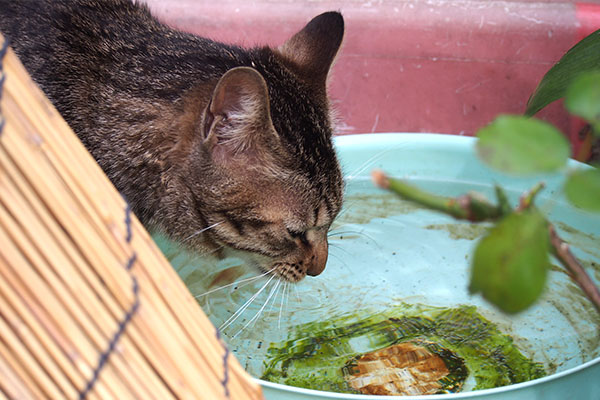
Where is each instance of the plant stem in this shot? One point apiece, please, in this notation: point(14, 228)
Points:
point(464, 207)
point(526, 199)
point(503, 203)
point(576, 271)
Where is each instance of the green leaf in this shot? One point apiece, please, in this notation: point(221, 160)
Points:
point(521, 145)
point(583, 57)
point(583, 98)
point(583, 189)
point(510, 264)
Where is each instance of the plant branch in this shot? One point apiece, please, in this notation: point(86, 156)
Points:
point(467, 207)
point(526, 199)
point(474, 209)
point(576, 271)
point(503, 203)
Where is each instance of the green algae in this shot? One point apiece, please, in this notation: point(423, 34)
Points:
point(463, 231)
point(363, 208)
point(316, 353)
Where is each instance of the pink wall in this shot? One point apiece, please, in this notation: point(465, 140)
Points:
point(413, 66)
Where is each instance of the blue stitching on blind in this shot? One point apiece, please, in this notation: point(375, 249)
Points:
point(225, 380)
point(126, 319)
point(128, 223)
point(3, 51)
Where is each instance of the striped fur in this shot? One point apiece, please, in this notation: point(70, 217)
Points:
point(195, 133)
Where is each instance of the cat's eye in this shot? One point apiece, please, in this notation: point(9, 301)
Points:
point(298, 235)
point(294, 234)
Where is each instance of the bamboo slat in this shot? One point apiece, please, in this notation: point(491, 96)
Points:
point(89, 307)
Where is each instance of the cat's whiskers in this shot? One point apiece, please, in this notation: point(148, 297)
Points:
point(342, 233)
point(367, 164)
point(347, 207)
point(277, 286)
point(341, 260)
point(285, 285)
point(243, 308)
point(255, 317)
point(335, 230)
point(193, 235)
point(287, 298)
point(246, 280)
point(211, 251)
point(297, 293)
point(362, 168)
point(335, 246)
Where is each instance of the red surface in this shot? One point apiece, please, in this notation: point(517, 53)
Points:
point(588, 16)
point(418, 66)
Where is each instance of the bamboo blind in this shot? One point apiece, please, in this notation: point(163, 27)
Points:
point(89, 307)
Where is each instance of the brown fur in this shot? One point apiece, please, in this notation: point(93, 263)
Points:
point(195, 133)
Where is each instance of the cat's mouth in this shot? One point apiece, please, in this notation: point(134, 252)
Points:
point(308, 258)
point(291, 272)
point(308, 261)
point(285, 270)
point(294, 270)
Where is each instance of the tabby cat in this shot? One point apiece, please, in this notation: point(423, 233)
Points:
point(214, 145)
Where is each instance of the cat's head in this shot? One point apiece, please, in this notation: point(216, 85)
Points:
point(266, 177)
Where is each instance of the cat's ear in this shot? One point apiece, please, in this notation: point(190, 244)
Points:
point(238, 117)
point(314, 48)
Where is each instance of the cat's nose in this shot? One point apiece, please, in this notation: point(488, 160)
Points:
point(318, 258)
